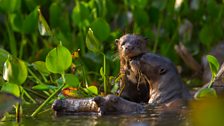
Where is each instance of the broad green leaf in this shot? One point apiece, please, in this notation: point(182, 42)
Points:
point(80, 15)
point(16, 22)
point(92, 43)
point(141, 17)
point(30, 22)
point(205, 92)
point(43, 87)
point(205, 35)
point(3, 57)
point(58, 59)
point(11, 88)
point(92, 90)
point(72, 80)
point(55, 10)
point(15, 71)
point(6, 102)
point(43, 26)
point(213, 64)
point(41, 67)
point(101, 29)
point(10, 5)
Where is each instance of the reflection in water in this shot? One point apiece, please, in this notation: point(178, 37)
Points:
point(154, 117)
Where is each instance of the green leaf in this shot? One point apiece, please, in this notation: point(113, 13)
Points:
point(10, 5)
point(101, 72)
point(92, 43)
point(205, 35)
point(80, 15)
point(72, 80)
point(30, 22)
point(11, 88)
point(55, 10)
point(43, 26)
point(16, 22)
point(101, 29)
point(58, 59)
point(3, 57)
point(43, 87)
point(41, 67)
point(205, 92)
point(92, 90)
point(213, 64)
point(15, 71)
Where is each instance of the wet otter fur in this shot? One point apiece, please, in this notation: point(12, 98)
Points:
point(132, 86)
point(165, 85)
point(112, 104)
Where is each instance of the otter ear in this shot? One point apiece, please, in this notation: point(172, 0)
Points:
point(116, 41)
point(162, 70)
point(114, 99)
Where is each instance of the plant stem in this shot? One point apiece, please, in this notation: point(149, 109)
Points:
point(104, 72)
point(11, 36)
point(157, 36)
point(28, 96)
point(35, 77)
point(46, 101)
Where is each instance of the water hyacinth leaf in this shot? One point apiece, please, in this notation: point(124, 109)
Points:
point(11, 88)
point(213, 64)
point(3, 57)
point(43, 87)
point(10, 5)
point(55, 10)
point(101, 29)
point(30, 22)
point(81, 15)
point(92, 90)
point(43, 27)
point(92, 43)
point(101, 72)
point(16, 21)
point(6, 102)
point(41, 67)
point(15, 71)
point(205, 92)
point(72, 80)
point(58, 59)
point(205, 36)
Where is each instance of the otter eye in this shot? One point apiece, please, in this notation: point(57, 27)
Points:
point(162, 71)
point(123, 43)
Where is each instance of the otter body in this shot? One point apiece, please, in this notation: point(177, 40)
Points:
point(112, 104)
point(165, 85)
point(132, 86)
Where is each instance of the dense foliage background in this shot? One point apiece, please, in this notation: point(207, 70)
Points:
point(198, 24)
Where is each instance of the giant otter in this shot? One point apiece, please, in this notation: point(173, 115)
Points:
point(165, 85)
point(112, 104)
point(132, 86)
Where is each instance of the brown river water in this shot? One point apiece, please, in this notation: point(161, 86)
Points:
point(148, 118)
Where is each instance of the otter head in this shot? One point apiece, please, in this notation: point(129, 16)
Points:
point(164, 82)
point(130, 45)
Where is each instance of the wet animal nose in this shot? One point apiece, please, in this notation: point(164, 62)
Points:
point(129, 48)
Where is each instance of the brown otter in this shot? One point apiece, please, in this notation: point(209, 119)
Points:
point(165, 85)
point(112, 104)
point(132, 86)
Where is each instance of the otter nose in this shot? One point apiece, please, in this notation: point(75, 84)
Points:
point(129, 48)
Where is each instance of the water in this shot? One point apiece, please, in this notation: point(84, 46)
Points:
point(149, 118)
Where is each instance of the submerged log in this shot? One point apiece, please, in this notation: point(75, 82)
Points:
point(109, 104)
